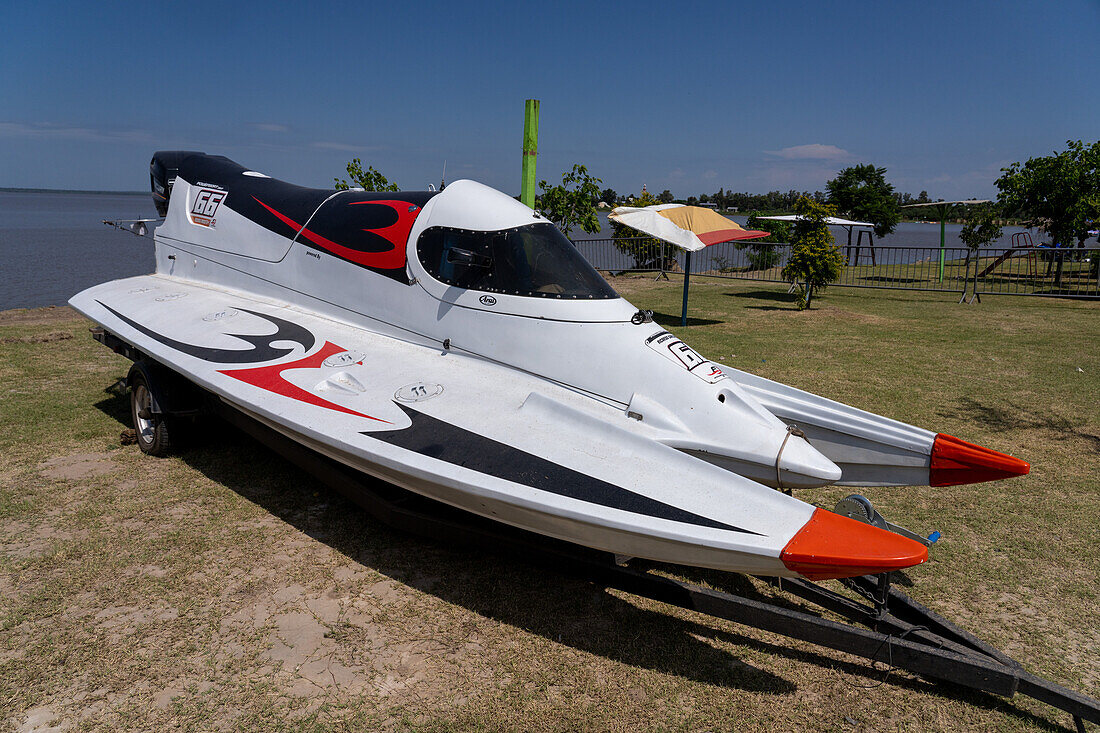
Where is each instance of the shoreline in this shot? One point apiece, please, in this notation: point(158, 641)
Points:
point(13, 189)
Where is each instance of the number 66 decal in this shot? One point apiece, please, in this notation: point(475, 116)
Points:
point(205, 206)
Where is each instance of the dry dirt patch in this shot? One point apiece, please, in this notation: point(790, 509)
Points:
point(37, 316)
point(42, 720)
point(43, 338)
point(77, 466)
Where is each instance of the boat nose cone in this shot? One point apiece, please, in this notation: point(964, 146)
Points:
point(801, 466)
point(832, 546)
point(956, 462)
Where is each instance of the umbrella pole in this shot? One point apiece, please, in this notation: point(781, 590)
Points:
point(687, 277)
point(943, 228)
point(943, 223)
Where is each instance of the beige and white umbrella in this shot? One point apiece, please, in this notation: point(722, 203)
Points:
point(689, 227)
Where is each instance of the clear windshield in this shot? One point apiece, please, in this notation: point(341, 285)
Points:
point(534, 260)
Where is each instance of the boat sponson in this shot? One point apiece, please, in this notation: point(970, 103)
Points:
point(832, 546)
point(956, 461)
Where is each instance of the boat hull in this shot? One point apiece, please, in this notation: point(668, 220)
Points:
point(536, 456)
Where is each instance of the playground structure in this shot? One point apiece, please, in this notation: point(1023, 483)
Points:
point(1020, 241)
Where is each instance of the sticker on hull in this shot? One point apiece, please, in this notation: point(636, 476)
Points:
point(677, 351)
point(205, 206)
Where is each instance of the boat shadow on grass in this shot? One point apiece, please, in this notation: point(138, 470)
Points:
point(529, 596)
point(1016, 416)
point(780, 296)
point(776, 296)
point(669, 320)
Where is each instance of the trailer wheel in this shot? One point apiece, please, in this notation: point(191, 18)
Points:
point(153, 435)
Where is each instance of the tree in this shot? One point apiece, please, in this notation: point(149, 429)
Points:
point(666, 197)
point(762, 252)
point(815, 259)
point(573, 203)
point(609, 196)
point(645, 251)
point(369, 179)
point(1059, 192)
point(780, 231)
point(980, 228)
point(861, 192)
point(720, 199)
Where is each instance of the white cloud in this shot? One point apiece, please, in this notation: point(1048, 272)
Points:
point(802, 177)
point(53, 131)
point(271, 127)
point(710, 175)
point(343, 147)
point(815, 151)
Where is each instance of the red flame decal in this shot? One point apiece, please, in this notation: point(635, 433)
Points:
point(396, 234)
point(271, 378)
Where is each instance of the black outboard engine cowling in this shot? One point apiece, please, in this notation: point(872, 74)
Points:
point(162, 174)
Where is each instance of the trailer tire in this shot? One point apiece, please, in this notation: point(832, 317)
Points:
point(151, 426)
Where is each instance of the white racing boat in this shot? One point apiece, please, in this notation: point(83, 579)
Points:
point(456, 344)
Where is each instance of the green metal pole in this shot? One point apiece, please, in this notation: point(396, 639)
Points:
point(687, 276)
point(530, 151)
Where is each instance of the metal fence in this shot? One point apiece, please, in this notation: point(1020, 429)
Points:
point(1069, 272)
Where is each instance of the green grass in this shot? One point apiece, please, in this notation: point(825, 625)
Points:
point(224, 588)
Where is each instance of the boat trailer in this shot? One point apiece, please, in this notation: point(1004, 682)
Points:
point(893, 629)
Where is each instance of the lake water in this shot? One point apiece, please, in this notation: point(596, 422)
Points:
point(53, 245)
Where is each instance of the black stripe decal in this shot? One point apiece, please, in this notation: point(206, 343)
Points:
point(261, 350)
point(446, 442)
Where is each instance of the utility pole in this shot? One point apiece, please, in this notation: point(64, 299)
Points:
point(530, 151)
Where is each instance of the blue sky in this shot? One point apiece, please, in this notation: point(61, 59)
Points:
point(688, 96)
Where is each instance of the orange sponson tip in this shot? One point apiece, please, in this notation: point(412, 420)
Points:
point(956, 462)
point(832, 546)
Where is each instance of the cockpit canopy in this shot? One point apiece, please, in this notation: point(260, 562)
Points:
point(534, 260)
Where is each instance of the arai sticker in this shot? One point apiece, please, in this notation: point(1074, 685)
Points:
point(676, 350)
